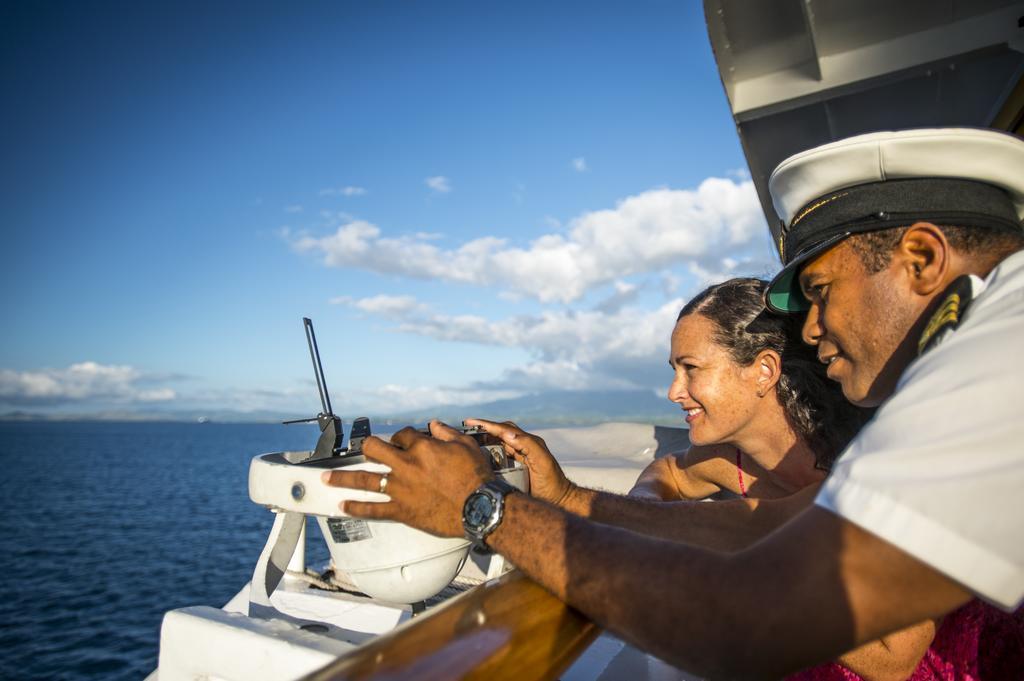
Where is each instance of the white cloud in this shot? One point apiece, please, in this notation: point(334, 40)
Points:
point(540, 376)
point(602, 348)
point(556, 375)
point(394, 398)
point(156, 395)
point(716, 228)
point(349, 190)
point(293, 209)
point(383, 305)
point(439, 183)
point(79, 383)
point(609, 347)
point(577, 335)
point(623, 294)
point(669, 283)
point(580, 336)
point(660, 242)
point(579, 164)
point(299, 399)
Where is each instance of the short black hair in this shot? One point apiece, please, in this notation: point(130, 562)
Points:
point(875, 248)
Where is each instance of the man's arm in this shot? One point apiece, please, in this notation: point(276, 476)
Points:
point(732, 527)
point(892, 658)
point(729, 525)
point(817, 587)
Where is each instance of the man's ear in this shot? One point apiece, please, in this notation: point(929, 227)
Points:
point(924, 255)
point(769, 369)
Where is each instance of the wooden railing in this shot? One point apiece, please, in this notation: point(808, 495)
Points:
point(509, 628)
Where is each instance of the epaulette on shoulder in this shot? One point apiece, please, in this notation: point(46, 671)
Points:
point(947, 316)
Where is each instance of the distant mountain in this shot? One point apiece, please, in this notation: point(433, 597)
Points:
point(559, 408)
point(20, 416)
point(185, 416)
point(544, 409)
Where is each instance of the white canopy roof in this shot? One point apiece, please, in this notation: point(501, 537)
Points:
point(800, 73)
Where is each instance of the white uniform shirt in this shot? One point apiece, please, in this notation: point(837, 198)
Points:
point(939, 470)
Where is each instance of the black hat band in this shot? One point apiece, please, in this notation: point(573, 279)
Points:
point(898, 203)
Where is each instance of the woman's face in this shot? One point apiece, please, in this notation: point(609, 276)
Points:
point(718, 395)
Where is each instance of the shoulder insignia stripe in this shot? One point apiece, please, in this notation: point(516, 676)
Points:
point(948, 315)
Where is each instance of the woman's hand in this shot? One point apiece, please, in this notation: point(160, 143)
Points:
point(547, 481)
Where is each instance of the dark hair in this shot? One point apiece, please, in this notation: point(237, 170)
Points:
point(814, 404)
point(875, 248)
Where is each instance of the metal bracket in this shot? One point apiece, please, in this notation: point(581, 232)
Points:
point(284, 537)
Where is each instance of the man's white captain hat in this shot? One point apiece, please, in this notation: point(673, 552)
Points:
point(968, 177)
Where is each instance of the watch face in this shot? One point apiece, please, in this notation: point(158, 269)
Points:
point(478, 510)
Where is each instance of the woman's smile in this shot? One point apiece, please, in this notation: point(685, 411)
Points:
point(692, 414)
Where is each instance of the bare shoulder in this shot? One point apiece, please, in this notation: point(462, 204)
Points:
point(683, 475)
point(705, 470)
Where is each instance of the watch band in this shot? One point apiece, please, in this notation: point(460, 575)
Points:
point(493, 492)
point(499, 485)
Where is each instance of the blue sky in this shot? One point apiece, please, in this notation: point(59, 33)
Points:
point(470, 200)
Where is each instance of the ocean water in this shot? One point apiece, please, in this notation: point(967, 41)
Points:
point(105, 526)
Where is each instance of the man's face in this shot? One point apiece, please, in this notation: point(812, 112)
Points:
point(859, 322)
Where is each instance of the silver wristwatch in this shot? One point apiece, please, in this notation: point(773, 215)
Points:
point(483, 509)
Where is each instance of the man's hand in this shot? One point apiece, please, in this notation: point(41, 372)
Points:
point(547, 481)
point(430, 478)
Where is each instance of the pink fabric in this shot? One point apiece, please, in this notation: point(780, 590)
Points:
point(978, 642)
point(739, 471)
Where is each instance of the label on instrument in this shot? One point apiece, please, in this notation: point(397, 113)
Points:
point(347, 530)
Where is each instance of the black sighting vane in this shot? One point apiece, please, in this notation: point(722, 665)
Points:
point(331, 435)
point(318, 369)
